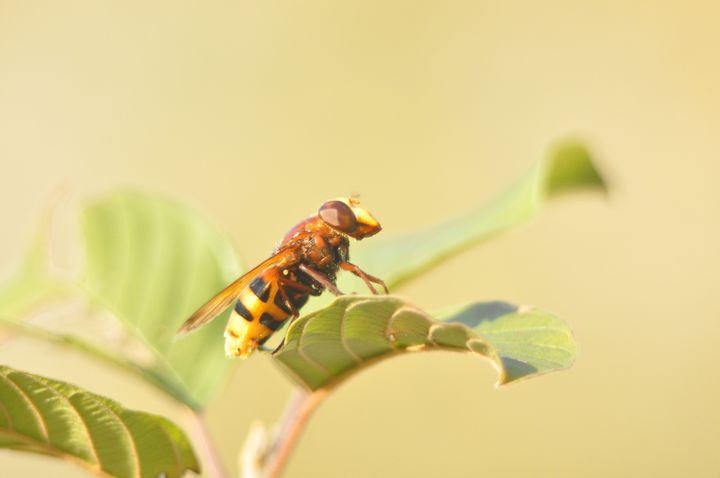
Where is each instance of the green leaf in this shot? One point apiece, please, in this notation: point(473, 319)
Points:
point(163, 381)
point(569, 167)
point(528, 341)
point(45, 416)
point(327, 346)
point(152, 263)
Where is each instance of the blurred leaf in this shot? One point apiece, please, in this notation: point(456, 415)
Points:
point(326, 347)
point(398, 260)
point(32, 282)
point(164, 381)
point(53, 418)
point(152, 263)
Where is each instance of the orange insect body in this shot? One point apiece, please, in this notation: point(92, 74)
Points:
point(304, 264)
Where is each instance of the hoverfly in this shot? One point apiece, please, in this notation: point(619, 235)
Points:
point(304, 264)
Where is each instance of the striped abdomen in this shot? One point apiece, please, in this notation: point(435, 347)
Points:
point(260, 310)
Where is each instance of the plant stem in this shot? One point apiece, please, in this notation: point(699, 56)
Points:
point(212, 463)
point(300, 407)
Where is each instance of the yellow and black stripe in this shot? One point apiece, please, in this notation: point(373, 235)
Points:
point(260, 310)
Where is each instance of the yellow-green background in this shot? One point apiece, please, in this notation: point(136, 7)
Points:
point(255, 112)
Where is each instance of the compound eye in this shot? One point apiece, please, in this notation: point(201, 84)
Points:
point(337, 214)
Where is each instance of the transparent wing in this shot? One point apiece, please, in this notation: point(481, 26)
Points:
point(229, 294)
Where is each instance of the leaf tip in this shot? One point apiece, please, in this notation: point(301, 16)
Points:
point(571, 166)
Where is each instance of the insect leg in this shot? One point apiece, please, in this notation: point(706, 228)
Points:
point(293, 310)
point(320, 279)
point(297, 286)
point(367, 278)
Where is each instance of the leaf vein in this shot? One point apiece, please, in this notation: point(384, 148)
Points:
point(33, 407)
point(135, 454)
point(176, 453)
point(95, 455)
point(305, 356)
point(7, 415)
point(343, 339)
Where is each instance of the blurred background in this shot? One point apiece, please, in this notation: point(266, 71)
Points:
point(256, 112)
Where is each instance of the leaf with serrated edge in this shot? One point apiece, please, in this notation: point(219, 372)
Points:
point(49, 417)
point(325, 347)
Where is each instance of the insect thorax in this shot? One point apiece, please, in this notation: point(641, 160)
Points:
point(324, 251)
